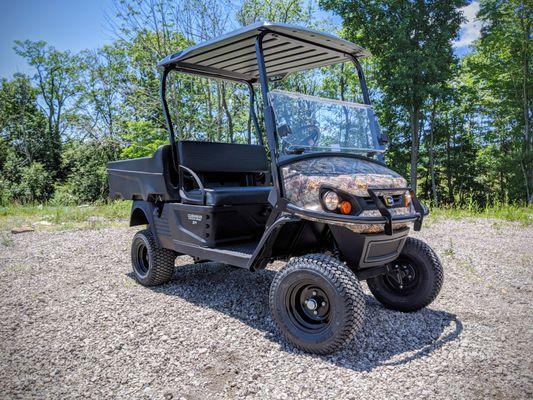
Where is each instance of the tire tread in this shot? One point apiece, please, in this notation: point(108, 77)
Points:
point(344, 281)
point(162, 268)
point(414, 245)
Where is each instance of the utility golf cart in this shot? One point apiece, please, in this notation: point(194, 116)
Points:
point(316, 195)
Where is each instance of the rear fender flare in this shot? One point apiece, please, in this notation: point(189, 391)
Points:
point(142, 213)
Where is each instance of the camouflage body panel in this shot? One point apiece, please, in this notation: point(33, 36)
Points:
point(302, 181)
point(367, 228)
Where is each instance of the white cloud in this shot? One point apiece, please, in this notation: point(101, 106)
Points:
point(470, 29)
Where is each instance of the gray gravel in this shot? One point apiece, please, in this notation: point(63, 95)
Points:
point(75, 324)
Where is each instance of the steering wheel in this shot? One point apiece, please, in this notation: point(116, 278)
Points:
point(306, 135)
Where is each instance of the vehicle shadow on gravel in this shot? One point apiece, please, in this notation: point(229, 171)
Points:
point(388, 338)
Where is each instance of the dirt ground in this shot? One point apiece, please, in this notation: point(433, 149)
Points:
point(76, 324)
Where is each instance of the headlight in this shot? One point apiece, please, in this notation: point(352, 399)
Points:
point(331, 200)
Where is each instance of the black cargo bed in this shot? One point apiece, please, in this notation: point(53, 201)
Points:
point(146, 178)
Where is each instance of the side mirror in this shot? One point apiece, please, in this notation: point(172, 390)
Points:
point(383, 139)
point(283, 130)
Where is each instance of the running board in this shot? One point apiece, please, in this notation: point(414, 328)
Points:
point(232, 255)
point(241, 255)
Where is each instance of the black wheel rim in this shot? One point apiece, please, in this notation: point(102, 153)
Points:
point(403, 276)
point(308, 306)
point(142, 264)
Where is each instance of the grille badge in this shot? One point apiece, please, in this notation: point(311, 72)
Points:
point(389, 200)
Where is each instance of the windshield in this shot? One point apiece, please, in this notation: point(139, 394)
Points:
point(309, 123)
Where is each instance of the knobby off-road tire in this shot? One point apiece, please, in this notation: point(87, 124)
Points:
point(151, 264)
point(414, 281)
point(321, 281)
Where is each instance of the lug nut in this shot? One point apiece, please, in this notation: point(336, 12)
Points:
point(323, 303)
point(314, 293)
point(315, 312)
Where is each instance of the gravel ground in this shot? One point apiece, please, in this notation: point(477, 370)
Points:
point(75, 324)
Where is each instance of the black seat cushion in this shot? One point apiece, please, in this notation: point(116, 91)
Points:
point(233, 195)
point(222, 157)
point(227, 172)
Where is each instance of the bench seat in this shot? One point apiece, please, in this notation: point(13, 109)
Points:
point(219, 196)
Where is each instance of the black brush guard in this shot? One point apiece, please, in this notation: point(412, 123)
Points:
point(386, 217)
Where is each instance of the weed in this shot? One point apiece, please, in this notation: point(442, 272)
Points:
point(467, 265)
point(503, 212)
point(6, 239)
point(64, 217)
point(450, 251)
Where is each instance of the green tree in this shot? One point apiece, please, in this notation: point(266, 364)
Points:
point(209, 110)
point(85, 165)
point(412, 45)
point(22, 124)
point(35, 184)
point(285, 11)
point(99, 110)
point(57, 79)
point(500, 69)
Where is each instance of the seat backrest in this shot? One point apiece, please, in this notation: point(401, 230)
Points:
point(222, 157)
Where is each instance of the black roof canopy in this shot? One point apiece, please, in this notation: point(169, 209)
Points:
point(286, 49)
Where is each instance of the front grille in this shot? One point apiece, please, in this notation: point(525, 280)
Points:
point(398, 201)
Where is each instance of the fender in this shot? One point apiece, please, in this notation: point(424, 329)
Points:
point(263, 252)
point(142, 213)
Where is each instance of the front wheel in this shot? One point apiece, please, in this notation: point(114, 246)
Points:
point(413, 281)
point(317, 303)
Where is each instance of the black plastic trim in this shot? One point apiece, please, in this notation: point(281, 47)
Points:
point(198, 181)
point(353, 219)
point(289, 159)
point(148, 208)
point(383, 210)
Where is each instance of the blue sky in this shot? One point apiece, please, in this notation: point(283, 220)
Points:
point(74, 25)
point(77, 25)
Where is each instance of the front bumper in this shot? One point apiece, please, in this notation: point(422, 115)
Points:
point(362, 251)
point(417, 214)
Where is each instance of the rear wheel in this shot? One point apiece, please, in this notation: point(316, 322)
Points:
point(317, 303)
point(414, 280)
point(151, 264)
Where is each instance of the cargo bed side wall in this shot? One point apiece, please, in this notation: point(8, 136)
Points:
point(146, 178)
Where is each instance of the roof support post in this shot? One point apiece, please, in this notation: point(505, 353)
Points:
point(362, 80)
point(270, 123)
point(253, 113)
point(382, 139)
point(167, 117)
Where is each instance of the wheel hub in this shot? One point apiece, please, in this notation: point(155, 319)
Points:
point(142, 263)
point(402, 276)
point(311, 304)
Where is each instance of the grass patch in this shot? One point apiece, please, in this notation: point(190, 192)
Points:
point(521, 214)
point(53, 217)
point(17, 268)
point(49, 217)
point(6, 239)
point(467, 265)
point(450, 250)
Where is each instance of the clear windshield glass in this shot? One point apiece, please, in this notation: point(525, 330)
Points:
point(309, 123)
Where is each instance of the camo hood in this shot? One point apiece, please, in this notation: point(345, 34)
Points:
point(302, 181)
